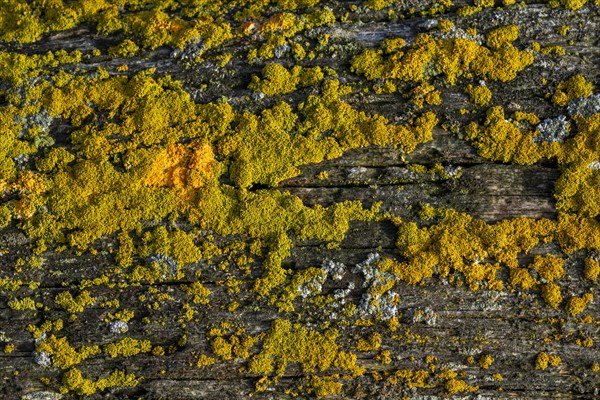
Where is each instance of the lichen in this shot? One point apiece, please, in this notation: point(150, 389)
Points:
point(450, 57)
point(574, 87)
point(543, 360)
point(74, 382)
point(74, 304)
point(64, 355)
point(480, 95)
point(127, 347)
point(576, 305)
point(286, 343)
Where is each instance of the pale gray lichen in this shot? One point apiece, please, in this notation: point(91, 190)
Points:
point(311, 287)
point(367, 267)
point(335, 269)
point(167, 264)
point(416, 315)
point(190, 52)
point(118, 326)
point(384, 305)
point(585, 106)
point(42, 358)
point(552, 130)
point(594, 165)
point(44, 395)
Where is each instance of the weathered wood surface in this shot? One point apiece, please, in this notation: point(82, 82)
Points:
point(504, 324)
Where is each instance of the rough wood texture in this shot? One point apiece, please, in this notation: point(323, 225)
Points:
point(438, 319)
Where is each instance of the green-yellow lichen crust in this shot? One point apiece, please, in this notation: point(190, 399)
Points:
point(153, 200)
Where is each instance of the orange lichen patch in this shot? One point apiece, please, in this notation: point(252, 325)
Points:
point(182, 166)
point(286, 23)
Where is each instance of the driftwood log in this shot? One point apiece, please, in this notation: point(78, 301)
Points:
point(437, 319)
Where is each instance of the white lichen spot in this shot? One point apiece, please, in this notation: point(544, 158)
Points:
point(42, 359)
point(118, 326)
point(585, 106)
point(335, 269)
point(552, 130)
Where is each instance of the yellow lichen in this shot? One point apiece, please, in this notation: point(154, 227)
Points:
point(74, 304)
point(26, 303)
point(285, 343)
point(543, 360)
point(576, 86)
point(591, 269)
point(74, 382)
point(552, 295)
point(549, 267)
point(127, 347)
point(576, 305)
point(480, 95)
point(370, 344)
point(486, 361)
point(63, 354)
point(502, 37)
point(451, 57)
